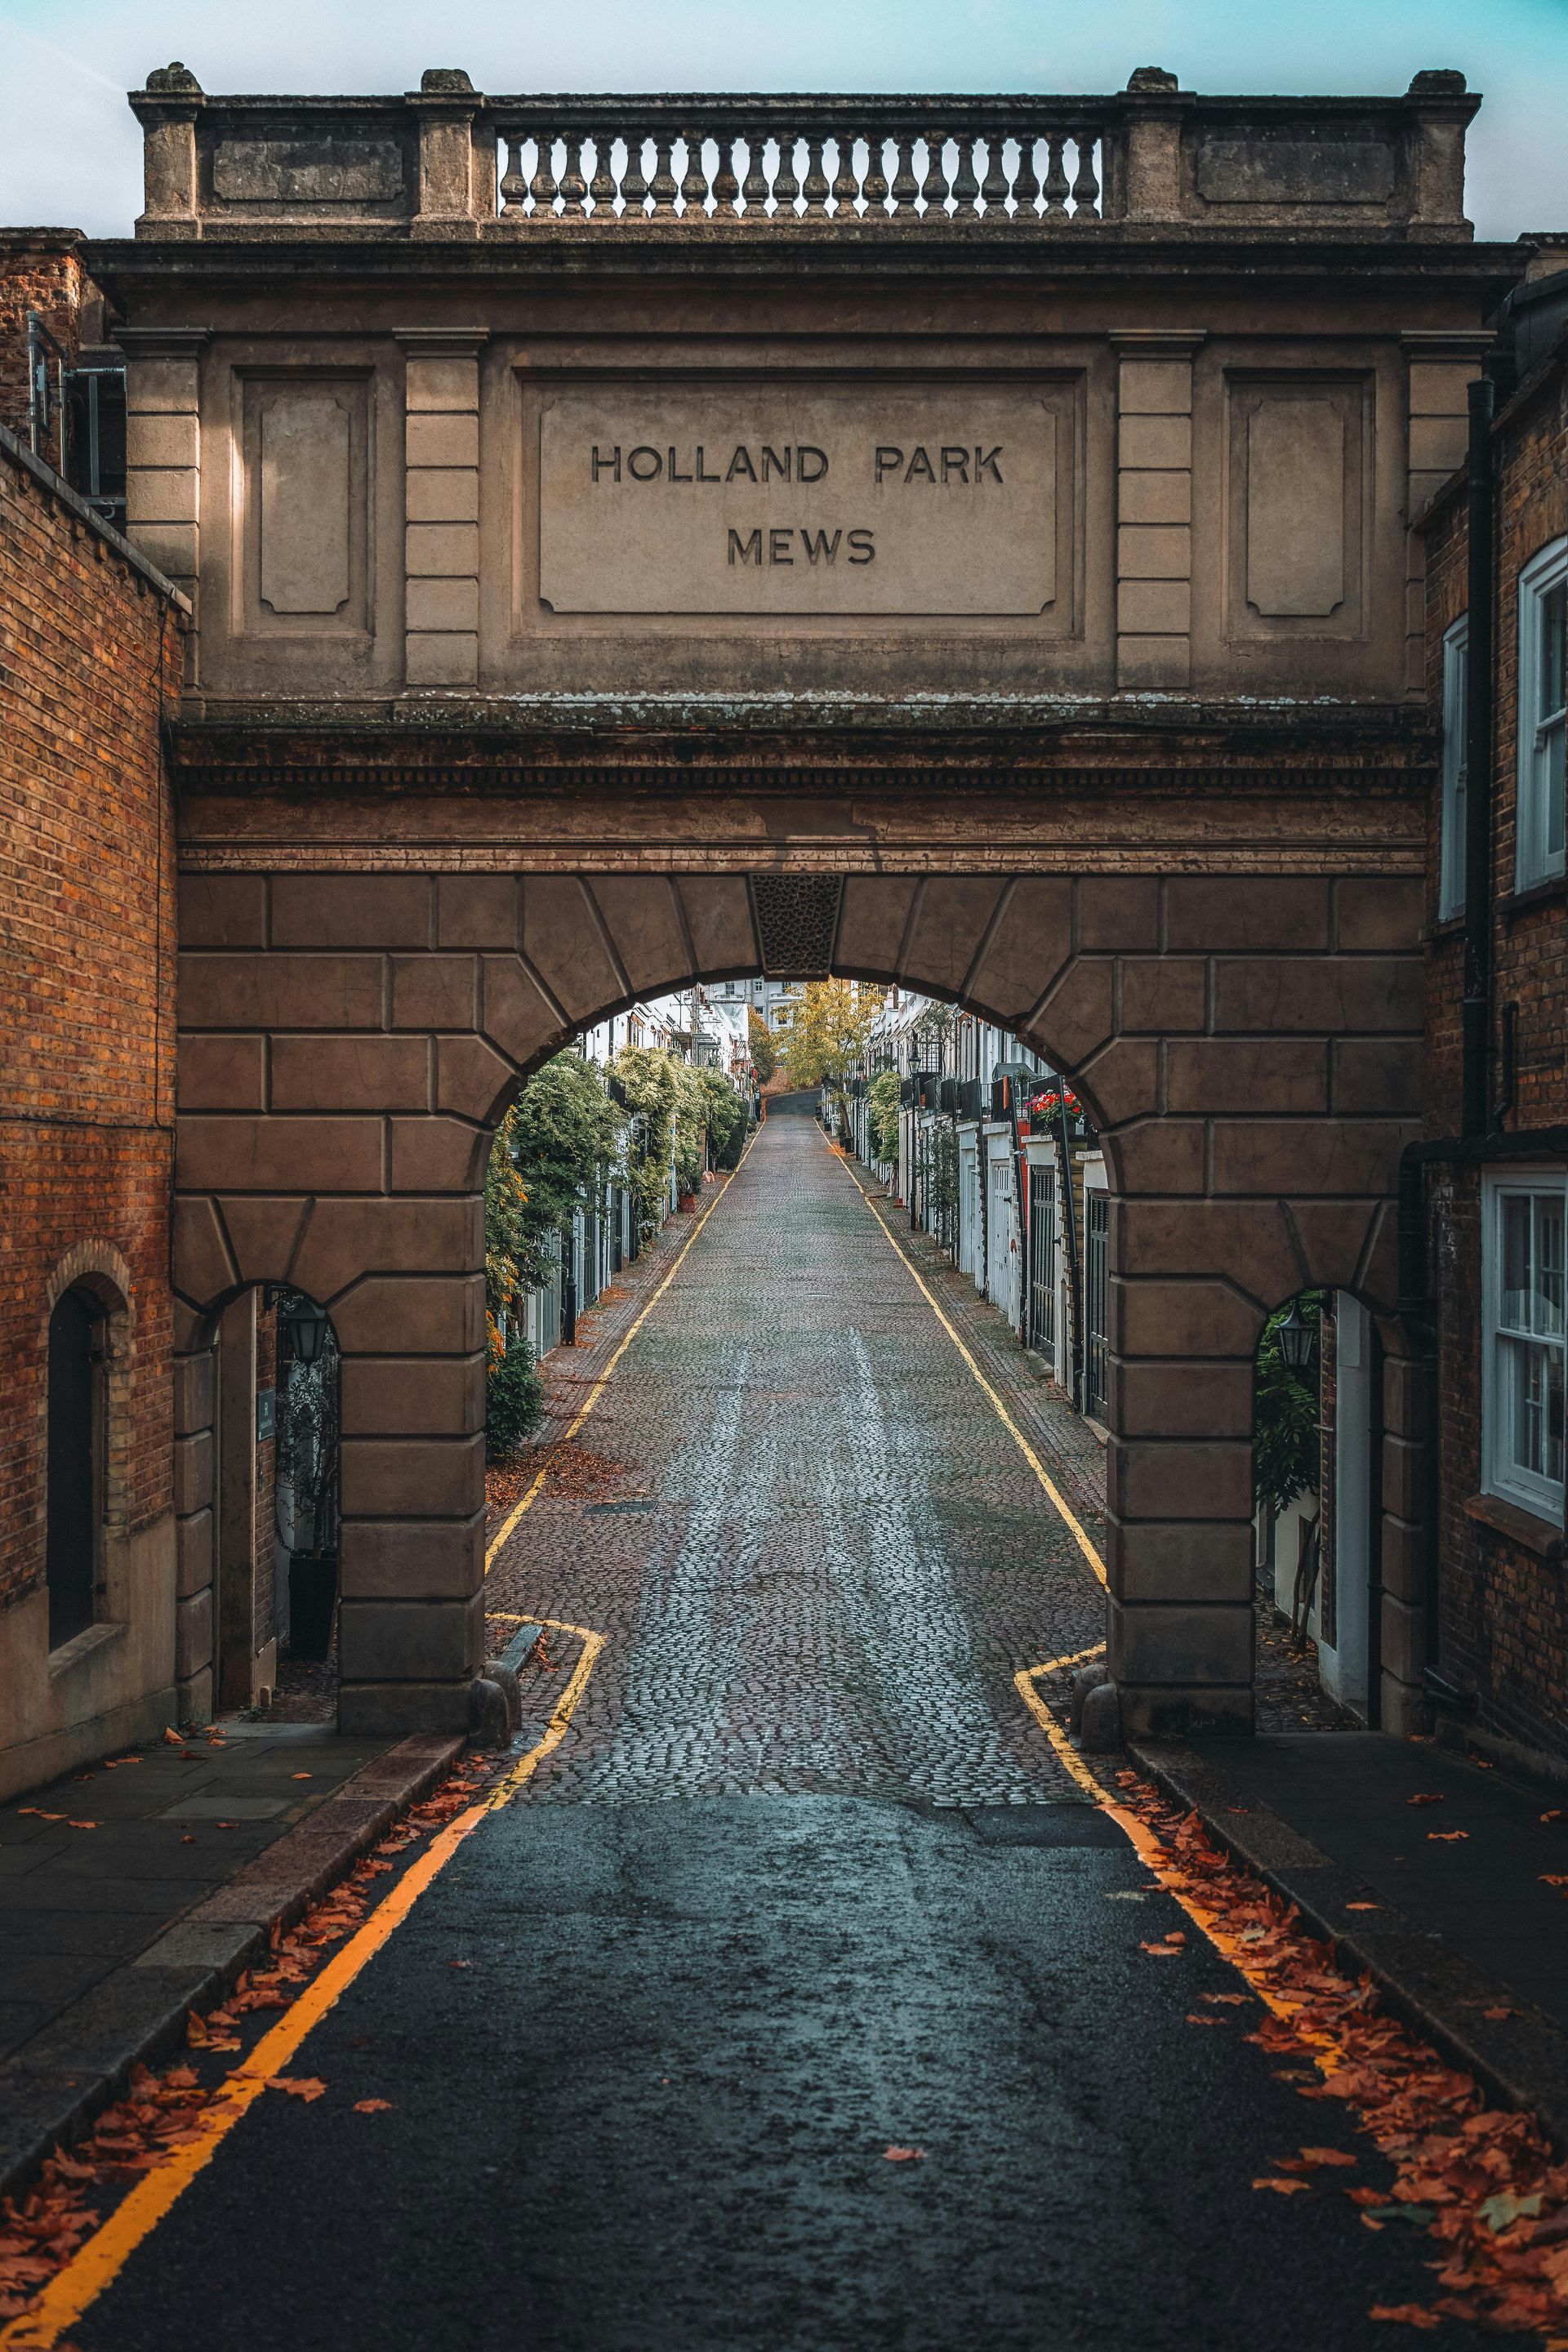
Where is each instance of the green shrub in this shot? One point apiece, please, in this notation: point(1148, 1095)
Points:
point(1285, 1433)
point(514, 1399)
point(882, 1099)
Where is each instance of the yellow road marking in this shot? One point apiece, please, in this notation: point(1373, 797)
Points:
point(596, 1391)
point(999, 1407)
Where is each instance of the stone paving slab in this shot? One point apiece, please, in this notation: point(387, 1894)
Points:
point(109, 1934)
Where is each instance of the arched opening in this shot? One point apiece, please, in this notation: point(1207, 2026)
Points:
point(78, 1449)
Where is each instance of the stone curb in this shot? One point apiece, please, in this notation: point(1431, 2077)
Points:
point(1522, 2061)
point(53, 2089)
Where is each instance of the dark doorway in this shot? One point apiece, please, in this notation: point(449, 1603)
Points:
point(75, 1464)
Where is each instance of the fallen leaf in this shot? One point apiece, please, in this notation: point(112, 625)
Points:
point(1500, 2213)
point(172, 1738)
point(187, 1839)
point(227, 1825)
point(1496, 2016)
point(1427, 1797)
point(1230, 2000)
point(1364, 1906)
point(1553, 1814)
point(1548, 1877)
point(38, 1813)
point(1192, 2019)
point(302, 1775)
point(1281, 2188)
point(371, 2106)
point(298, 2086)
point(1327, 2156)
point(904, 2155)
point(1446, 1837)
point(1409, 2314)
point(459, 1964)
point(1177, 1936)
point(83, 1825)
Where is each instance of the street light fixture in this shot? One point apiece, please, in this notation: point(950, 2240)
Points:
point(1296, 1336)
point(305, 1326)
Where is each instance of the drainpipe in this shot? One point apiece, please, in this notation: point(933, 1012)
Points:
point(1070, 1229)
point(1479, 763)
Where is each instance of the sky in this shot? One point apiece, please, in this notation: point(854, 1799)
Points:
point(71, 149)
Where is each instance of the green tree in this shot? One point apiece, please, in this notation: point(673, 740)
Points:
point(564, 1134)
point(514, 1395)
point(882, 1100)
point(831, 1031)
point(725, 1115)
point(1285, 1433)
point(764, 1046)
point(645, 1075)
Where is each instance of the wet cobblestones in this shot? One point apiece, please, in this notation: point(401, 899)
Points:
point(843, 1559)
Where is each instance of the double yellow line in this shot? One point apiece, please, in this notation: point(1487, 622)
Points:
point(100, 2261)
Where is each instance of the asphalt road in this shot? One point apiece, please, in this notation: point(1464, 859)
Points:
point(649, 2037)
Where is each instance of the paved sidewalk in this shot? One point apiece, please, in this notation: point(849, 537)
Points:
point(138, 1889)
point(1429, 1871)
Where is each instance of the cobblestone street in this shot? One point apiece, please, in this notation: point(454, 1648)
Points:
point(823, 1556)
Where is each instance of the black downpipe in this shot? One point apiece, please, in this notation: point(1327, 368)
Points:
point(1476, 1030)
point(1069, 1227)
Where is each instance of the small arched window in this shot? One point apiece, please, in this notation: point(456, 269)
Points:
point(76, 1461)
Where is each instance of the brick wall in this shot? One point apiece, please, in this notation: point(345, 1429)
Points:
point(40, 270)
point(1503, 1607)
point(86, 1004)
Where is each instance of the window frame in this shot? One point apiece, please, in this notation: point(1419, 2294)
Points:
point(1455, 769)
point(1533, 862)
point(1527, 1490)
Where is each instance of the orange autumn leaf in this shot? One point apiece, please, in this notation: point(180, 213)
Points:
point(371, 2106)
point(1327, 2156)
point(904, 2155)
point(298, 2086)
point(1409, 2314)
point(172, 1738)
point(1427, 1797)
point(1162, 1951)
point(1364, 1906)
point(1283, 2188)
point(1193, 2019)
point(1446, 1837)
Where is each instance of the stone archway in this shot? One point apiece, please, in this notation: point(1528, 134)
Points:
point(1247, 1044)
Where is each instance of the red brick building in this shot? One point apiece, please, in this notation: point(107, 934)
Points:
point(90, 653)
point(1485, 1194)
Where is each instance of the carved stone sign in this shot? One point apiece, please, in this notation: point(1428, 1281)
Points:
point(918, 499)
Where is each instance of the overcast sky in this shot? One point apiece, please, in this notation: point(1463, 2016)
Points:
point(70, 152)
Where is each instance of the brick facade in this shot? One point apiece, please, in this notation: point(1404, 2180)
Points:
point(1501, 1634)
point(40, 270)
point(88, 658)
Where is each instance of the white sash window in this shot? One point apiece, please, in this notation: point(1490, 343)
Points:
point(1523, 1385)
point(1542, 716)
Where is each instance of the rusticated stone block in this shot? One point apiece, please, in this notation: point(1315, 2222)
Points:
point(1332, 1236)
point(1075, 1018)
point(560, 939)
point(1211, 1400)
point(412, 1396)
point(196, 1391)
point(1404, 1476)
point(1406, 1395)
point(348, 1239)
point(477, 910)
point(263, 1234)
point(1161, 995)
point(437, 1155)
point(1193, 1644)
point(522, 1022)
point(471, 1078)
point(641, 915)
point(1221, 913)
point(1377, 914)
point(411, 1560)
point(1289, 1155)
point(278, 1154)
point(1158, 1155)
point(1121, 1082)
point(413, 1477)
point(1180, 1318)
point(193, 1634)
point(1149, 1560)
point(1211, 1075)
point(1115, 914)
point(434, 1315)
point(1184, 1710)
point(368, 1074)
point(1029, 946)
point(1249, 1242)
point(434, 992)
point(203, 1268)
point(281, 992)
point(1404, 1647)
point(950, 924)
point(192, 1554)
point(719, 918)
point(222, 1074)
point(1376, 994)
point(1379, 1280)
point(1179, 1479)
point(353, 911)
point(193, 1472)
point(1403, 1559)
point(1376, 1078)
point(874, 913)
point(410, 1641)
point(223, 910)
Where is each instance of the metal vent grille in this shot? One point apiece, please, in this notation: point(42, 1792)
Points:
point(797, 917)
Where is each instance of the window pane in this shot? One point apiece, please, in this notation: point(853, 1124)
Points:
point(1554, 1413)
point(1516, 1284)
point(1521, 1368)
point(1553, 649)
point(1552, 782)
point(1548, 1316)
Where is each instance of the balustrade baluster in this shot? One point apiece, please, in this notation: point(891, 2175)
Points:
point(786, 187)
point(542, 187)
point(815, 186)
point(934, 187)
point(602, 186)
point(726, 188)
point(965, 186)
point(993, 187)
point(1056, 179)
point(906, 187)
point(662, 186)
point(634, 186)
point(1085, 186)
point(875, 186)
point(1026, 186)
point(754, 187)
point(845, 185)
point(694, 180)
point(574, 186)
point(513, 182)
